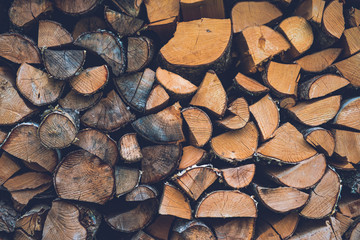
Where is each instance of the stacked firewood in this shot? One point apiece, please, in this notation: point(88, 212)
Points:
point(179, 119)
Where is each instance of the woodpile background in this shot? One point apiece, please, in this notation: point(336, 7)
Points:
point(179, 119)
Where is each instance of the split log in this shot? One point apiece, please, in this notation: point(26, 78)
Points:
point(13, 108)
point(135, 88)
point(293, 176)
point(349, 69)
point(129, 148)
point(8, 217)
point(311, 10)
point(158, 99)
point(191, 156)
point(193, 56)
point(321, 139)
point(84, 177)
point(239, 115)
point(63, 64)
point(316, 112)
point(282, 78)
point(32, 222)
point(109, 115)
point(323, 197)
point(248, 14)
point(174, 203)
point(347, 148)
point(200, 127)
point(107, 46)
point(141, 193)
point(159, 162)
point(319, 61)
point(23, 143)
point(75, 101)
point(161, 227)
point(267, 116)
point(98, 144)
point(130, 7)
point(160, 10)
point(287, 145)
point(349, 206)
point(249, 85)
point(168, 120)
point(90, 80)
point(321, 86)
point(8, 167)
point(284, 226)
point(353, 17)
point(222, 203)
point(36, 86)
point(88, 24)
point(239, 177)
point(140, 51)
point(349, 41)
point(236, 145)
point(313, 230)
point(258, 44)
point(348, 114)
point(52, 34)
point(191, 230)
point(196, 9)
point(126, 179)
point(242, 228)
point(76, 8)
point(333, 19)
point(265, 231)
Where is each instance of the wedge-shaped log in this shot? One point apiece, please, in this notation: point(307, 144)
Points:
point(90, 80)
point(8, 167)
point(232, 228)
point(249, 85)
point(319, 61)
point(130, 7)
point(140, 51)
point(158, 99)
point(350, 68)
point(76, 8)
point(129, 148)
point(239, 115)
point(52, 34)
point(321, 139)
point(79, 102)
point(183, 229)
point(123, 24)
point(349, 113)
point(126, 179)
point(311, 10)
point(347, 148)
point(239, 177)
point(191, 156)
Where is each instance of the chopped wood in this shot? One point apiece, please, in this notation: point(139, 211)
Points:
point(239, 115)
point(9, 167)
point(350, 41)
point(90, 80)
point(236, 145)
point(174, 203)
point(193, 229)
point(52, 34)
point(321, 139)
point(141, 193)
point(284, 226)
point(130, 7)
point(249, 85)
point(75, 101)
point(319, 61)
point(353, 17)
point(333, 19)
point(140, 51)
point(190, 156)
point(159, 162)
point(349, 206)
point(162, 127)
point(160, 10)
point(126, 179)
point(109, 115)
point(265, 231)
point(161, 227)
point(313, 230)
point(88, 24)
point(287, 102)
point(311, 10)
point(63, 64)
point(158, 99)
point(196, 9)
point(320, 86)
point(241, 228)
point(239, 177)
point(349, 69)
point(347, 147)
point(247, 14)
point(32, 221)
point(129, 148)
point(84, 177)
point(348, 113)
point(323, 197)
point(8, 217)
point(76, 8)
point(287, 145)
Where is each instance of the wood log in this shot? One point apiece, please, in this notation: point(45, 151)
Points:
point(249, 85)
point(243, 228)
point(353, 17)
point(129, 148)
point(52, 34)
point(311, 10)
point(284, 226)
point(9, 167)
point(140, 51)
point(348, 112)
point(321, 139)
point(88, 24)
point(239, 177)
point(23, 143)
point(130, 7)
point(126, 179)
point(349, 69)
point(239, 115)
point(161, 227)
point(190, 156)
point(346, 146)
point(90, 80)
point(32, 222)
point(75, 101)
point(340, 224)
point(191, 229)
point(313, 230)
point(265, 231)
point(141, 193)
point(158, 99)
point(63, 64)
point(84, 177)
point(333, 19)
point(76, 8)
point(160, 10)
point(349, 206)
point(8, 217)
point(248, 14)
point(196, 9)
point(349, 41)
point(319, 61)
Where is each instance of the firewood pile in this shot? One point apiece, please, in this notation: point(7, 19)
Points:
point(179, 119)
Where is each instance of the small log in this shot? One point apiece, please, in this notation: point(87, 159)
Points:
point(281, 199)
point(63, 64)
point(353, 17)
point(293, 176)
point(287, 145)
point(191, 156)
point(129, 148)
point(248, 14)
point(249, 85)
point(211, 95)
point(347, 146)
point(158, 99)
point(333, 19)
point(24, 143)
point(223, 204)
point(140, 51)
point(196, 9)
point(189, 179)
point(349, 69)
point(25, 50)
point(321, 139)
point(84, 177)
point(90, 80)
point(311, 10)
point(194, 56)
point(239, 115)
point(109, 115)
point(123, 24)
point(241, 228)
point(258, 44)
point(174, 83)
point(67, 221)
point(284, 226)
point(239, 177)
point(313, 230)
point(125, 220)
point(319, 61)
point(76, 8)
point(349, 206)
point(349, 41)
point(348, 113)
point(141, 193)
point(168, 120)
point(200, 127)
point(52, 34)
point(135, 88)
point(161, 227)
point(32, 222)
point(265, 231)
point(36, 86)
point(75, 101)
point(106, 45)
point(323, 197)
point(161, 10)
point(159, 162)
point(194, 229)
point(130, 7)
point(88, 24)
point(282, 78)
point(316, 112)
point(58, 129)
point(287, 102)
point(320, 86)
point(23, 13)
point(126, 179)
point(8, 167)
point(174, 203)
point(236, 145)
point(267, 116)
point(98, 144)
point(8, 217)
